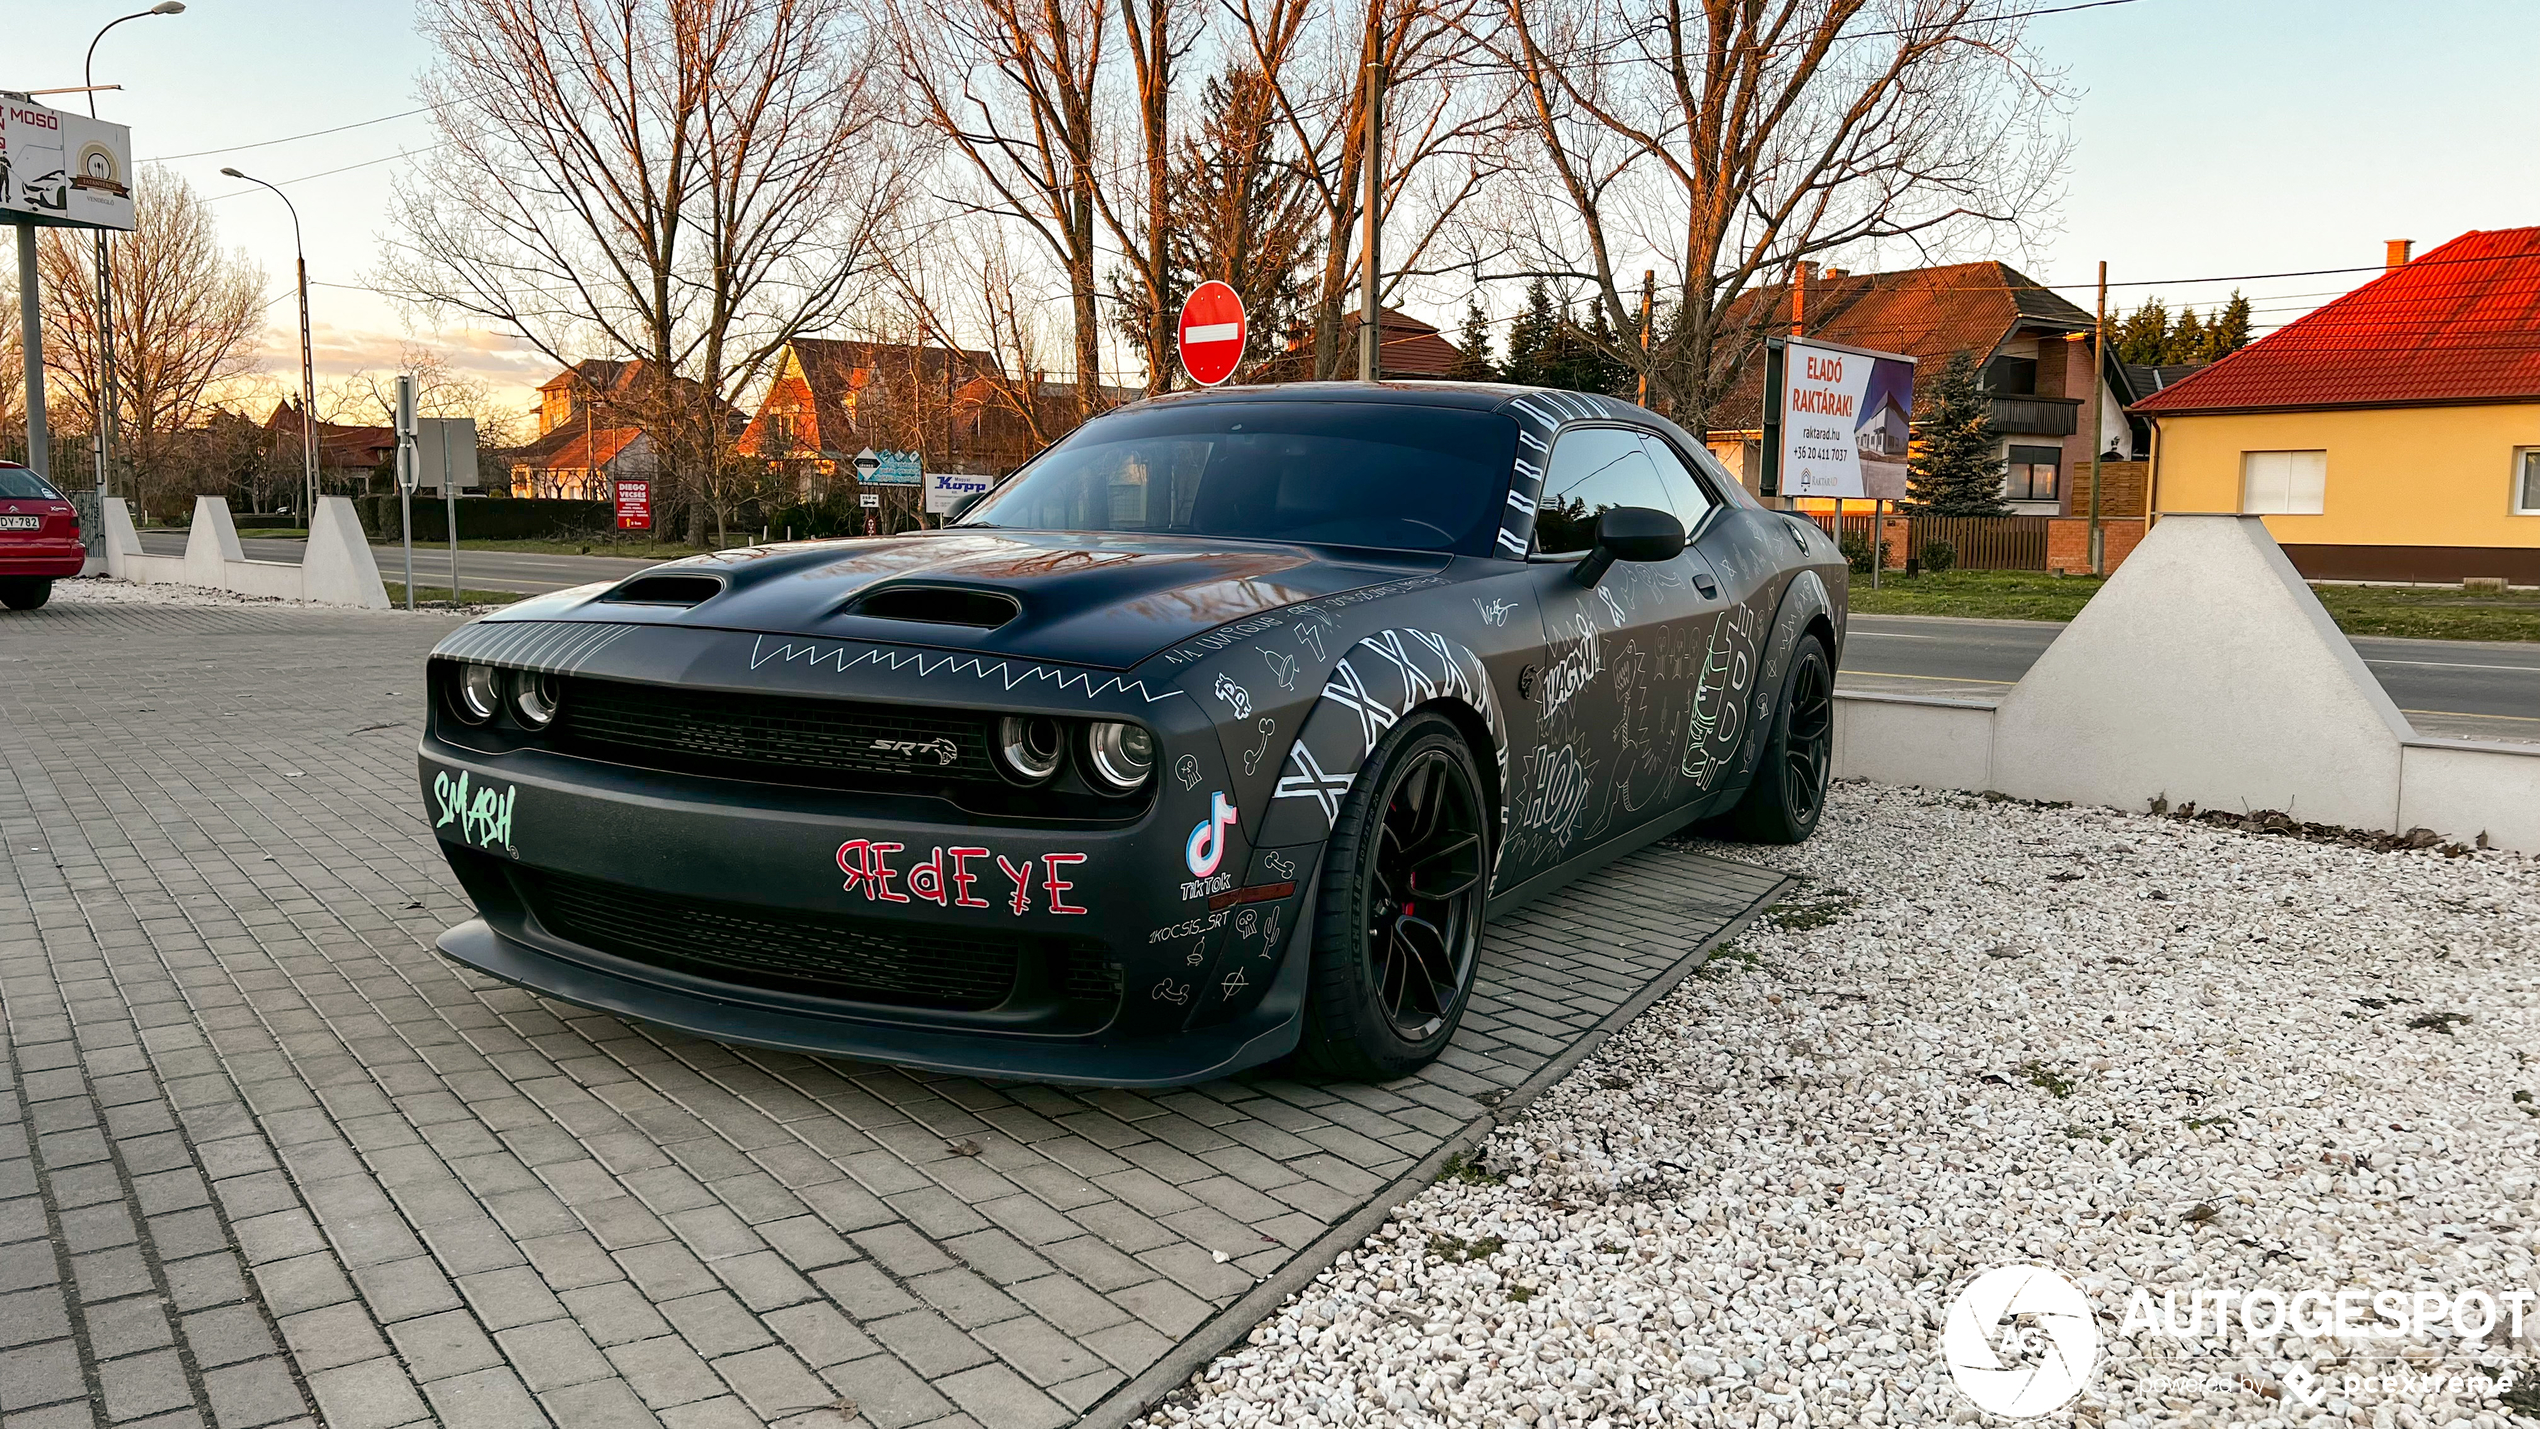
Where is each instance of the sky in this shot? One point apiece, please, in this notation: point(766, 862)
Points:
point(2212, 138)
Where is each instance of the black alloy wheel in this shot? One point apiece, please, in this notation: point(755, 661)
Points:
point(1788, 796)
point(1399, 927)
point(1424, 894)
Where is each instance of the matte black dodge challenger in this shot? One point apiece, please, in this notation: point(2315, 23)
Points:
point(1212, 735)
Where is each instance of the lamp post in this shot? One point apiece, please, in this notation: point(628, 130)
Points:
point(308, 366)
point(105, 275)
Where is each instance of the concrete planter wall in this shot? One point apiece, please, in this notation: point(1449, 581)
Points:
point(336, 569)
point(2204, 671)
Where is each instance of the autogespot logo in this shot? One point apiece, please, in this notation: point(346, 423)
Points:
point(2020, 1341)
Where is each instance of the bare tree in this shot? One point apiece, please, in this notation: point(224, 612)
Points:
point(1728, 140)
point(1443, 134)
point(187, 318)
point(688, 182)
point(369, 397)
point(1012, 87)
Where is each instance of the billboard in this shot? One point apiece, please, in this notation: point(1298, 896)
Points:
point(63, 170)
point(1845, 420)
point(948, 489)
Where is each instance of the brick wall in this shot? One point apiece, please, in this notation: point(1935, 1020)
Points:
point(2068, 538)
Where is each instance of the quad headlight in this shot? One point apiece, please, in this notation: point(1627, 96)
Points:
point(477, 694)
point(1028, 747)
point(1121, 757)
point(534, 698)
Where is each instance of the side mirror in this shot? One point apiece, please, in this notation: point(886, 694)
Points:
point(1631, 533)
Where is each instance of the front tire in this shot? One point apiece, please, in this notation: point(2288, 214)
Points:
point(1788, 796)
point(25, 592)
point(1399, 925)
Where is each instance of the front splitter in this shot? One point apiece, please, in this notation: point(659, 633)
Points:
point(1269, 1031)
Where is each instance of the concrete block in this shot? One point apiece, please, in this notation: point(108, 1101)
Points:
point(211, 545)
point(1908, 739)
point(2461, 789)
point(2205, 670)
point(338, 568)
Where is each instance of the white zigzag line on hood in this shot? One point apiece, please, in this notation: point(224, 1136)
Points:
point(1085, 682)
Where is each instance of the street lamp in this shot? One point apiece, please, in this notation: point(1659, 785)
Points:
point(308, 367)
point(105, 281)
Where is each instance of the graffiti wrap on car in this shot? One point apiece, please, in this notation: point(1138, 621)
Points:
point(945, 879)
point(1372, 685)
point(483, 816)
point(841, 657)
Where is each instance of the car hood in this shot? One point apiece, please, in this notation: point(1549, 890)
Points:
point(1109, 601)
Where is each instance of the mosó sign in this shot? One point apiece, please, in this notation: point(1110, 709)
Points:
point(1212, 333)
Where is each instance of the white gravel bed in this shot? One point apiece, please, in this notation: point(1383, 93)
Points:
point(104, 590)
point(2143, 1052)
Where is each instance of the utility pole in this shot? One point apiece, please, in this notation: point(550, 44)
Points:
point(308, 366)
point(1648, 299)
point(1373, 161)
point(2098, 466)
point(31, 342)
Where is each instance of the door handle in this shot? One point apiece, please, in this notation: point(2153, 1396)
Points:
point(1710, 588)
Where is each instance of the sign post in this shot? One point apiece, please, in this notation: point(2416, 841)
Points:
point(448, 445)
point(409, 466)
point(1212, 332)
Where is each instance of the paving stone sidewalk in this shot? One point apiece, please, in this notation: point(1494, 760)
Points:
point(266, 1159)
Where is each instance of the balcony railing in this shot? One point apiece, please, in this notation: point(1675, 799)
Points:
point(2037, 416)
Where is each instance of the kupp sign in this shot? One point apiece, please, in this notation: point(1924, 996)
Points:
point(1213, 329)
point(1844, 418)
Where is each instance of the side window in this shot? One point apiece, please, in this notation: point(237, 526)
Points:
point(1685, 495)
point(1593, 470)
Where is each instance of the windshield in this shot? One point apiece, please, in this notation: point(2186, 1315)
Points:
point(19, 484)
point(1337, 473)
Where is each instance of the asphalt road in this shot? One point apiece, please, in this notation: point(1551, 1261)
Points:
point(2454, 688)
point(478, 570)
point(2448, 687)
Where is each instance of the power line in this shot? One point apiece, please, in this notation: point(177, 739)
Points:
point(293, 138)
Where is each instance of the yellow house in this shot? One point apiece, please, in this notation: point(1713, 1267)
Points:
point(2393, 435)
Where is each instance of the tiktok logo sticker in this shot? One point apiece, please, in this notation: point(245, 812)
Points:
point(1206, 849)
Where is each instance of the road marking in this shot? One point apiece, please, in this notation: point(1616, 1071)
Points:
point(2455, 665)
point(1892, 634)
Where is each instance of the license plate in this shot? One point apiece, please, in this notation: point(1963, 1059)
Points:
point(21, 523)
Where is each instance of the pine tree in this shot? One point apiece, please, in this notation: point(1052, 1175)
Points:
point(2229, 331)
point(1475, 364)
point(1956, 468)
point(2186, 342)
point(2142, 335)
point(1534, 338)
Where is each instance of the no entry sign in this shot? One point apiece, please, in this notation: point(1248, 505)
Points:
point(1213, 331)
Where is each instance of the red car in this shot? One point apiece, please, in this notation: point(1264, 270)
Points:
point(39, 538)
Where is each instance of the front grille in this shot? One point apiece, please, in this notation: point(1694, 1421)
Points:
point(774, 737)
point(813, 954)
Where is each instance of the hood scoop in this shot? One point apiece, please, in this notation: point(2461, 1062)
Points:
point(667, 590)
point(938, 605)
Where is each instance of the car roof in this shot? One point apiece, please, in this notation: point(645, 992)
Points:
point(1468, 396)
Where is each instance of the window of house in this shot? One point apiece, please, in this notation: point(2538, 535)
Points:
point(2527, 481)
point(2036, 474)
point(2284, 483)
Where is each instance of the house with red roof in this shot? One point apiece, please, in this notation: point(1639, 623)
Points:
point(2393, 435)
point(2031, 346)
